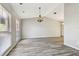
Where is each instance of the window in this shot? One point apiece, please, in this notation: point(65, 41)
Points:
point(4, 20)
point(17, 30)
point(17, 25)
point(5, 25)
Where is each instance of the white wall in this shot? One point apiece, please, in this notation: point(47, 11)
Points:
point(33, 29)
point(72, 25)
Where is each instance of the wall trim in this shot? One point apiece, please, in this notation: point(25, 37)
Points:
point(71, 46)
point(41, 37)
point(10, 48)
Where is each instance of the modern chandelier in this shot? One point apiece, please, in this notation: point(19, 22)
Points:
point(39, 17)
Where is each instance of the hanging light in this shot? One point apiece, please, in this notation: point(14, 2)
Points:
point(39, 17)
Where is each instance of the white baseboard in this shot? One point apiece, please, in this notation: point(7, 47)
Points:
point(39, 37)
point(71, 46)
point(9, 49)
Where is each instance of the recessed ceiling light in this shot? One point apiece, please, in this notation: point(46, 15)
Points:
point(55, 12)
point(21, 3)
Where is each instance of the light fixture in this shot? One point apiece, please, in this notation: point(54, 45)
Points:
point(39, 17)
point(55, 12)
point(21, 3)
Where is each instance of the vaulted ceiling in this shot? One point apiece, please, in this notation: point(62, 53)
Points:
point(30, 10)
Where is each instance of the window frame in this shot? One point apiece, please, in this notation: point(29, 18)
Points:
point(8, 19)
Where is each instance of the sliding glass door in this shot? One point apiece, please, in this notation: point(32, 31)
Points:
point(5, 29)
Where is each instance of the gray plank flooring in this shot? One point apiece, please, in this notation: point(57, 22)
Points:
point(43, 47)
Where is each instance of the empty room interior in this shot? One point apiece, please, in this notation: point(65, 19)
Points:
point(39, 29)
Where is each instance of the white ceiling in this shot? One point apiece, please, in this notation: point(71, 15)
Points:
point(31, 9)
point(59, 16)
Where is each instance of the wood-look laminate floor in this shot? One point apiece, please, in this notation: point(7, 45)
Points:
point(43, 47)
